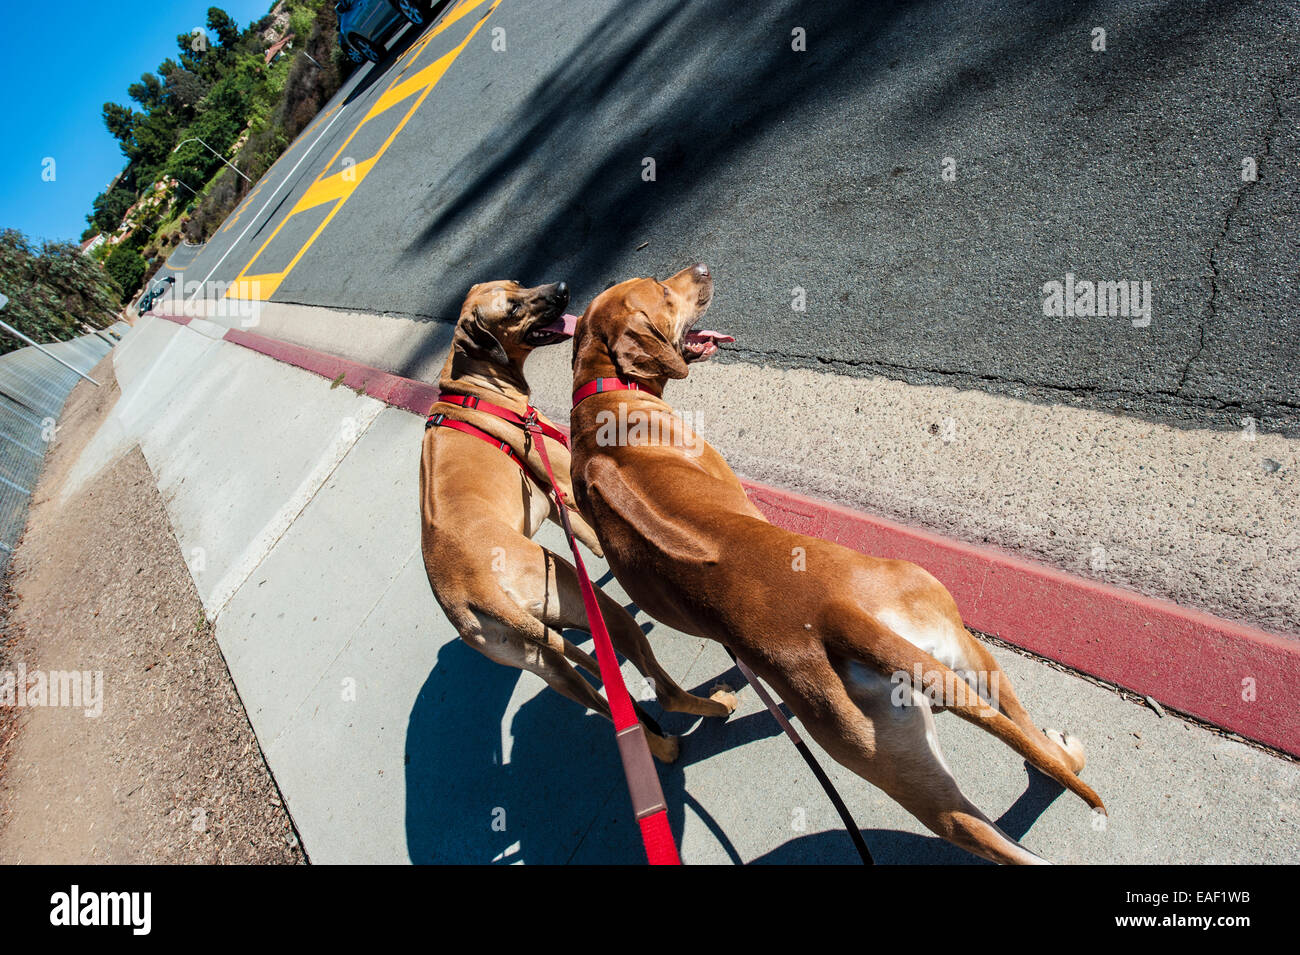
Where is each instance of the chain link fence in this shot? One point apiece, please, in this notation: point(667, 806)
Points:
point(33, 389)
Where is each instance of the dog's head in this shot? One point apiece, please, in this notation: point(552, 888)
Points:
point(502, 322)
point(646, 327)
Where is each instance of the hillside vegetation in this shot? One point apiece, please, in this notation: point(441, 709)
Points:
point(221, 92)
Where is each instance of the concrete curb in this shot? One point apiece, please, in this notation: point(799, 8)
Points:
point(1233, 676)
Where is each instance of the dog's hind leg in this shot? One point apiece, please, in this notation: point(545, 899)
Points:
point(895, 748)
point(866, 640)
point(544, 588)
point(930, 621)
point(978, 658)
point(530, 645)
point(585, 660)
point(629, 640)
point(575, 654)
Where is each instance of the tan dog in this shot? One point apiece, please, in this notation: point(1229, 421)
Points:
point(858, 647)
point(508, 597)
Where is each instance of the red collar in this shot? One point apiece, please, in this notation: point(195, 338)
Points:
point(601, 385)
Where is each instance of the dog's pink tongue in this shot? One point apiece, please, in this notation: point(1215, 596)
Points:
point(708, 335)
point(564, 325)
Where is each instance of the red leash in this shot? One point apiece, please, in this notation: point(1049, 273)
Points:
point(638, 765)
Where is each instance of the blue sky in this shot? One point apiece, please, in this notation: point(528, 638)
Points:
point(59, 64)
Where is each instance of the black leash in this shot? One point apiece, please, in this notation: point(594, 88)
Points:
point(854, 832)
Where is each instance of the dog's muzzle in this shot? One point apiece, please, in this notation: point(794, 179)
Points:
point(554, 325)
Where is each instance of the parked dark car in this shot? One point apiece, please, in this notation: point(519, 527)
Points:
point(366, 25)
point(154, 294)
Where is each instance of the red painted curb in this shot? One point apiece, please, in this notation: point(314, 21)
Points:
point(1234, 676)
point(1188, 660)
point(414, 396)
point(178, 319)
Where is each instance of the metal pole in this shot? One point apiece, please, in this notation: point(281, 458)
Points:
point(196, 139)
point(19, 335)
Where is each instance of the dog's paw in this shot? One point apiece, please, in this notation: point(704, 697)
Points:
point(722, 694)
point(664, 748)
point(1072, 745)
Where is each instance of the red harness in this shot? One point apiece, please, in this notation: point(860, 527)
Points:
point(505, 414)
point(638, 765)
point(468, 401)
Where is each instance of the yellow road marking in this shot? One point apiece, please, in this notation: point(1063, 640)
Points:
point(298, 141)
point(338, 188)
point(334, 187)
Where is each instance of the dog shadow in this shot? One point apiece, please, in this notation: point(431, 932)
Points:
point(481, 792)
point(469, 799)
point(896, 847)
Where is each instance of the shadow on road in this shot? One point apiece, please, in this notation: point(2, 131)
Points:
point(536, 197)
point(595, 199)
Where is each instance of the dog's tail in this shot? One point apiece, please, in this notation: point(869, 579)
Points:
point(891, 656)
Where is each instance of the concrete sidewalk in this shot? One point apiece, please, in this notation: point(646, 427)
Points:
point(295, 505)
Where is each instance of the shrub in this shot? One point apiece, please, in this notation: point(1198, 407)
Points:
point(127, 268)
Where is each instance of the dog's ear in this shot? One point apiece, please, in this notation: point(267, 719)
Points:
point(473, 338)
point(641, 350)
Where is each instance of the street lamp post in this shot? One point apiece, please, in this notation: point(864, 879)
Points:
point(195, 139)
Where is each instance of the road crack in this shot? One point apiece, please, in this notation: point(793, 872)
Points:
point(1211, 305)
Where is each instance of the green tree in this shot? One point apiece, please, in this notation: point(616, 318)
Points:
point(224, 26)
point(155, 137)
point(194, 52)
point(53, 291)
point(183, 90)
point(126, 267)
point(148, 92)
point(109, 208)
point(121, 121)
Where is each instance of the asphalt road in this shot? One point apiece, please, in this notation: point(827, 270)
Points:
point(822, 170)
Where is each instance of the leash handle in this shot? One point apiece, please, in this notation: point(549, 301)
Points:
point(638, 765)
point(845, 816)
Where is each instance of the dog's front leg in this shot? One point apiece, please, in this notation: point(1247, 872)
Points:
point(582, 530)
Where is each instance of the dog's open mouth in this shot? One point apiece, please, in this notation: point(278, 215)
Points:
point(697, 346)
point(551, 332)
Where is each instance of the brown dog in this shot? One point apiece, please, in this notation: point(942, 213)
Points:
point(861, 649)
point(508, 597)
